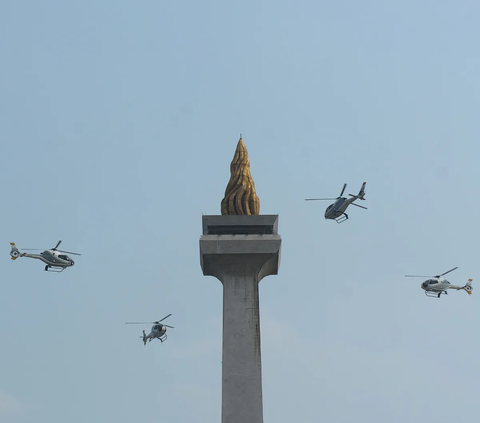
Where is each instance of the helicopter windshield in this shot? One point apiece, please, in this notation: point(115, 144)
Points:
point(63, 257)
point(432, 281)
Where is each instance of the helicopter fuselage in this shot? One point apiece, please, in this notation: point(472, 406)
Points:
point(52, 258)
point(157, 332)
point(436, 285)
point(337, 209)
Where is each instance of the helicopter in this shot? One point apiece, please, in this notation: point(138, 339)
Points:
point(336, 211)
point(158, 330)
point(436, 285)
point(52, 258)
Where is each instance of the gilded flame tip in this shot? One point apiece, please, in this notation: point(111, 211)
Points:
point(240, 196)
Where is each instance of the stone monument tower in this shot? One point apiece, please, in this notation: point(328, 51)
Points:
point(240, 248)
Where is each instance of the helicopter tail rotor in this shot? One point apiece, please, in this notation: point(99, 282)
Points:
point(14, 253)
point(468, 287)
point(144, 338)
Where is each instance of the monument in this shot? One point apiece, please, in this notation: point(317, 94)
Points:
point(240, 248)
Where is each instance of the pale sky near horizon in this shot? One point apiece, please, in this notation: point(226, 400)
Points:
point(118, 123)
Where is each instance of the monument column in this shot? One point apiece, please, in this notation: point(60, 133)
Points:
point(240, 248)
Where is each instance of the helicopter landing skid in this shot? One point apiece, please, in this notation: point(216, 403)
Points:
point(341, 219)
point(435, 294)
point(47, 269)
point(163, 337)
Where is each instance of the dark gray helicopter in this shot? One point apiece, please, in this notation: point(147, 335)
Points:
point(158, 330)
point(336, 211)
point(52, 258)
point(436, 285)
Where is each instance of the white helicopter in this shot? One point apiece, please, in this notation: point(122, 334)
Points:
point(336, 211)
point(158, 330)
point(436, 285)
point(52, 258)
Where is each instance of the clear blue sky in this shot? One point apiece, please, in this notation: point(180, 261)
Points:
point(118, 122)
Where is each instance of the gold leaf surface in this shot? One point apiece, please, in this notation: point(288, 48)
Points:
point(240, 196)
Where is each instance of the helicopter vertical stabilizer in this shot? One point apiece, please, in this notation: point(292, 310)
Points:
point(361, 193)
point(14, 253)
point(468, 287)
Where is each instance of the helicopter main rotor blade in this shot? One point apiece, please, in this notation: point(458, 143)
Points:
point(69, 252)
point(314, 199)
point(353, 204)
point(31, 249)
point(436, 276)
point(344, 186)
point(171, 327)
point(54, 248)
point(417, 276)
point(164, 318)
point(140, 323)
point(451, 270)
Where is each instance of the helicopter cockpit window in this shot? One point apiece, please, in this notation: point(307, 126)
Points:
point(63, 257)
point(156, 327)
point(432, 281)
point(329, 207)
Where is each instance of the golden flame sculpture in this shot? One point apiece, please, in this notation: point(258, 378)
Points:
point(240, 196)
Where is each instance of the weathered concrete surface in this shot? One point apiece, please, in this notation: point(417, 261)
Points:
point(240, 262)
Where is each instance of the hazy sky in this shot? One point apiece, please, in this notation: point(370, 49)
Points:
point(118, 122)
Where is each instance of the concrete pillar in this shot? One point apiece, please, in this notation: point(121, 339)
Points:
point(240, 251)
